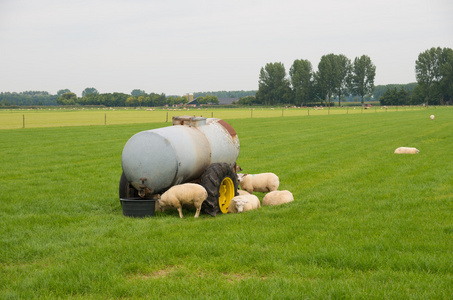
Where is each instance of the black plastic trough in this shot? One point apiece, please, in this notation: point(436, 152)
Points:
point(138, 207)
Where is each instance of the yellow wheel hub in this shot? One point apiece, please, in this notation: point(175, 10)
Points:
point(226, 193)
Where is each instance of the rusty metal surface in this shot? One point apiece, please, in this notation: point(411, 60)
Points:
point(228, 127)
point(189, 120)
point(224, 146)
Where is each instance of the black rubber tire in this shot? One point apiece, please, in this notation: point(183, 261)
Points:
point(211, 181)
point(126, 191)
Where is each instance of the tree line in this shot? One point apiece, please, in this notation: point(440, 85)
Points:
point(226, 94)
point(434, 74)
point(337, 77)
point(28, 98)
point(91, 96)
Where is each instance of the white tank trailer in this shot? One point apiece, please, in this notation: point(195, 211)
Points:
point(195, 149)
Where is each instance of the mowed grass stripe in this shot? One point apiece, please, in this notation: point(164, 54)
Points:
point(365, 223)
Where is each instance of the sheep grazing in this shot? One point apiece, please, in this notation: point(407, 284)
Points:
point(406, 150)
point(244, 203)
point(263, 182)
point(184, 194)
point(278, 197)
point(431, 117)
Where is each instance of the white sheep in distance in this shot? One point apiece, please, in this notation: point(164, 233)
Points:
point(244, 203)
point(184, 194)
point(431, 117)
point(278, 197)
point(263, 182)
point(406, 150)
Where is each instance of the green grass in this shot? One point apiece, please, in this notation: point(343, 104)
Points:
point(60, 116)
point(365, 223)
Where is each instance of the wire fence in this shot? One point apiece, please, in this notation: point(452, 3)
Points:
point(59, 117)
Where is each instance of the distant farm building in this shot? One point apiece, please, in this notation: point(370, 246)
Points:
point(227, 101)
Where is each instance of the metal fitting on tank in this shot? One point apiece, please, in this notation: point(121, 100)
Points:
point(142, 188)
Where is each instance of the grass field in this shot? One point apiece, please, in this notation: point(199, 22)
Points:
point(365, 223)
point(59, 117)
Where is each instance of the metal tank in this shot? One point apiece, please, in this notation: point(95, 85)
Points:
point(155, 160)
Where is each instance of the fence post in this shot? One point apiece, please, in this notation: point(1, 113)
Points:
point(167, 118)
point(105, 119)
point(212, 114)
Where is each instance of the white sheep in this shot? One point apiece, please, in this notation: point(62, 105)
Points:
point(184, 194)
point(278, 197)
point(406, 150)
point(263, 182)
point(244, 203)
point(431, 117)
point(242, 192)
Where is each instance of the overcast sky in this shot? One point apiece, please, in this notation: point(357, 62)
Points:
point(177, 46)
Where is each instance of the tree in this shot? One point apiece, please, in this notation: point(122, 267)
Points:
point(301, 80)
point(395, 97)
point(208, 99)
point(379, 90)
point(158, 100)
point(388, 97)
point(212, 99)
point(434, 73)
point(67, 99)
point(446, 71)
point(427, 72)
point(61, 92)
point(273, 85)
point(137, 93)
point(402, 97)
point(343, 71)
point(132, 101)
point(333, 75)
point(176, 100)
point(417, 96)
point(247, 100)
point(89, 91)
point(90, 99)
point(362, 77)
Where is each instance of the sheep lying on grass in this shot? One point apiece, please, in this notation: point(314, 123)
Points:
point(244, 203)
point(278, 197)
point(242, 192)
point(184, 194)
point(431, 117)
point(406, 150)
point(264, 182)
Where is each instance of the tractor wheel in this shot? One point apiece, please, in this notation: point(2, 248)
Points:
point(220, 182)
point(126, 191)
